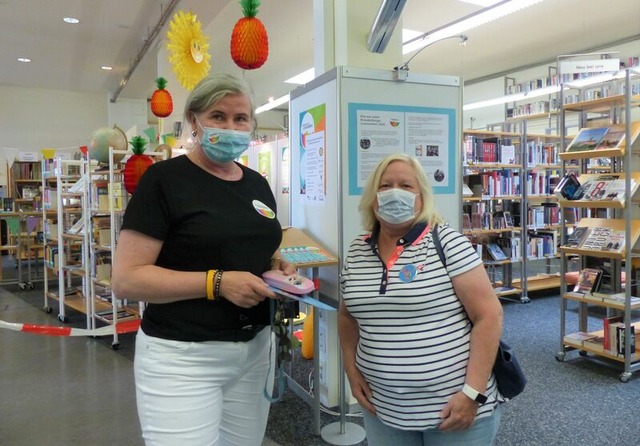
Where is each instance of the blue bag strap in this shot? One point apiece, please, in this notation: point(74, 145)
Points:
point(436, 241)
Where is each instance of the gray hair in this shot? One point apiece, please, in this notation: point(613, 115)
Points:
point(213, 88)
point(428, 214)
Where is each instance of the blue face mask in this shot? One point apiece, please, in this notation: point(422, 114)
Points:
point(222, 145)
point(396, 206)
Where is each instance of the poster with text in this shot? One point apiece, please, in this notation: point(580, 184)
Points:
point(425, 133)
point(313, 154)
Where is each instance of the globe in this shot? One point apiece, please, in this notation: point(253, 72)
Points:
point(106, 137)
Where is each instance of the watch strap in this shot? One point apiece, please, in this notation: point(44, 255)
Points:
point(474, 394)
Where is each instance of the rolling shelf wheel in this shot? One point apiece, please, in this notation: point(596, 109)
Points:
point(624, 377)
point(560, 356)
point(62, 318)
point(582, 353)
point(32, 285)
point(525, 299)
point(22, 286)
point(115, 345)
point(47, 309)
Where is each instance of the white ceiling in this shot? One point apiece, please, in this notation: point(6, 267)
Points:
point(68, 57)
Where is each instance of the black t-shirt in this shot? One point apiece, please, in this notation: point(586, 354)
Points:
point(205, 223)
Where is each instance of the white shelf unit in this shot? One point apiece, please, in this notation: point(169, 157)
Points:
point(615, 104)
point(109, 204)
point(69, 244)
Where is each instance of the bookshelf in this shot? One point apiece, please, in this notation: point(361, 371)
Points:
point(607, 233)
point(492, 214)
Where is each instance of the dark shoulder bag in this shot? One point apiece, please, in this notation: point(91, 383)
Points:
point(509, 375)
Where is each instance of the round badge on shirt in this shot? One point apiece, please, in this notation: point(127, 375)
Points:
point(407, 273)
point(263, 209)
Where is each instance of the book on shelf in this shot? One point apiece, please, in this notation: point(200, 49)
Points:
point(607, 324)
point(508, 154)
point(496, 252)
point(567, 187)
point(107, 315)
point(611, 140)
point(618, 298)
point(620, 339)
point(580, 336)
point(606, 187)
point(595, 344)
point(588, 280)
point(476, 220)
point(466, 222)
point(604, 239)
point(587, 139)
point(577, 237)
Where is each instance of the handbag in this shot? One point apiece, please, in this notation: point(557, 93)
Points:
point(509, 375)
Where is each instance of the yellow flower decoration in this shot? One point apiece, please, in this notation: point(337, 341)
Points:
point(188, 49)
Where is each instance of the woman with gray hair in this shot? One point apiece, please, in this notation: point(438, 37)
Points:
point(197, 235)
point(419, 338)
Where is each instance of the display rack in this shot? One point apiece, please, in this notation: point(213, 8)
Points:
point(305, 253)
point(618, 219)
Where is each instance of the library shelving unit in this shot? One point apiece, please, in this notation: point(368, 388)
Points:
point(65, 236)
point(108, 200)
point(611, 226)
point(541, 172)
point(24, 180)
point(492, 214)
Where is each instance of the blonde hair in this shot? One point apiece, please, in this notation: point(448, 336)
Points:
point(428, 214)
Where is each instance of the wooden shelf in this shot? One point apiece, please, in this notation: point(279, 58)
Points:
point(540, 282)
point(600, 105)
point(615, 224)
point(596, 299)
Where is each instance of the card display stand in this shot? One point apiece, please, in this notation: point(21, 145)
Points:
point(304, 252)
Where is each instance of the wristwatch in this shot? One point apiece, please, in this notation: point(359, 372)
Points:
point(474, 394)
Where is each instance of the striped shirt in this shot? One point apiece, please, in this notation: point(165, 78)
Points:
point(414, 332)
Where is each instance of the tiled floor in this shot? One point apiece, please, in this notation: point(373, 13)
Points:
point(59, 391)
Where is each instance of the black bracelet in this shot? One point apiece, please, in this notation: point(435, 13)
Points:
point(218, 279)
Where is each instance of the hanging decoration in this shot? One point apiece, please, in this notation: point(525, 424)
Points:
point(137, 164)
point(188, 49)
point(249, 40)
point(161, 101)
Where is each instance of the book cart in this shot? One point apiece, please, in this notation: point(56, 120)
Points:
point(303, 252)
point(610, 227)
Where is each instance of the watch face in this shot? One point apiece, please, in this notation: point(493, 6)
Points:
point(481, 398)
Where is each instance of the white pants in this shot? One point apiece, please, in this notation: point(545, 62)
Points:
point(203, 393)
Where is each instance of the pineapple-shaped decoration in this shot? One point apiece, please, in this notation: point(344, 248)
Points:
point(249, 41)
point(137, 164)
point(161, 101)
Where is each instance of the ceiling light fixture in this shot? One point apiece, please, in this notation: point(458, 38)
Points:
point(302, 78)
point(24, 59)
point(513, 97)
point(273, 103)
point(468, 22)
point(106, 68)
point(71, 20)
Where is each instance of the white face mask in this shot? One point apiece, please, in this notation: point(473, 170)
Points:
point(396, 206)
